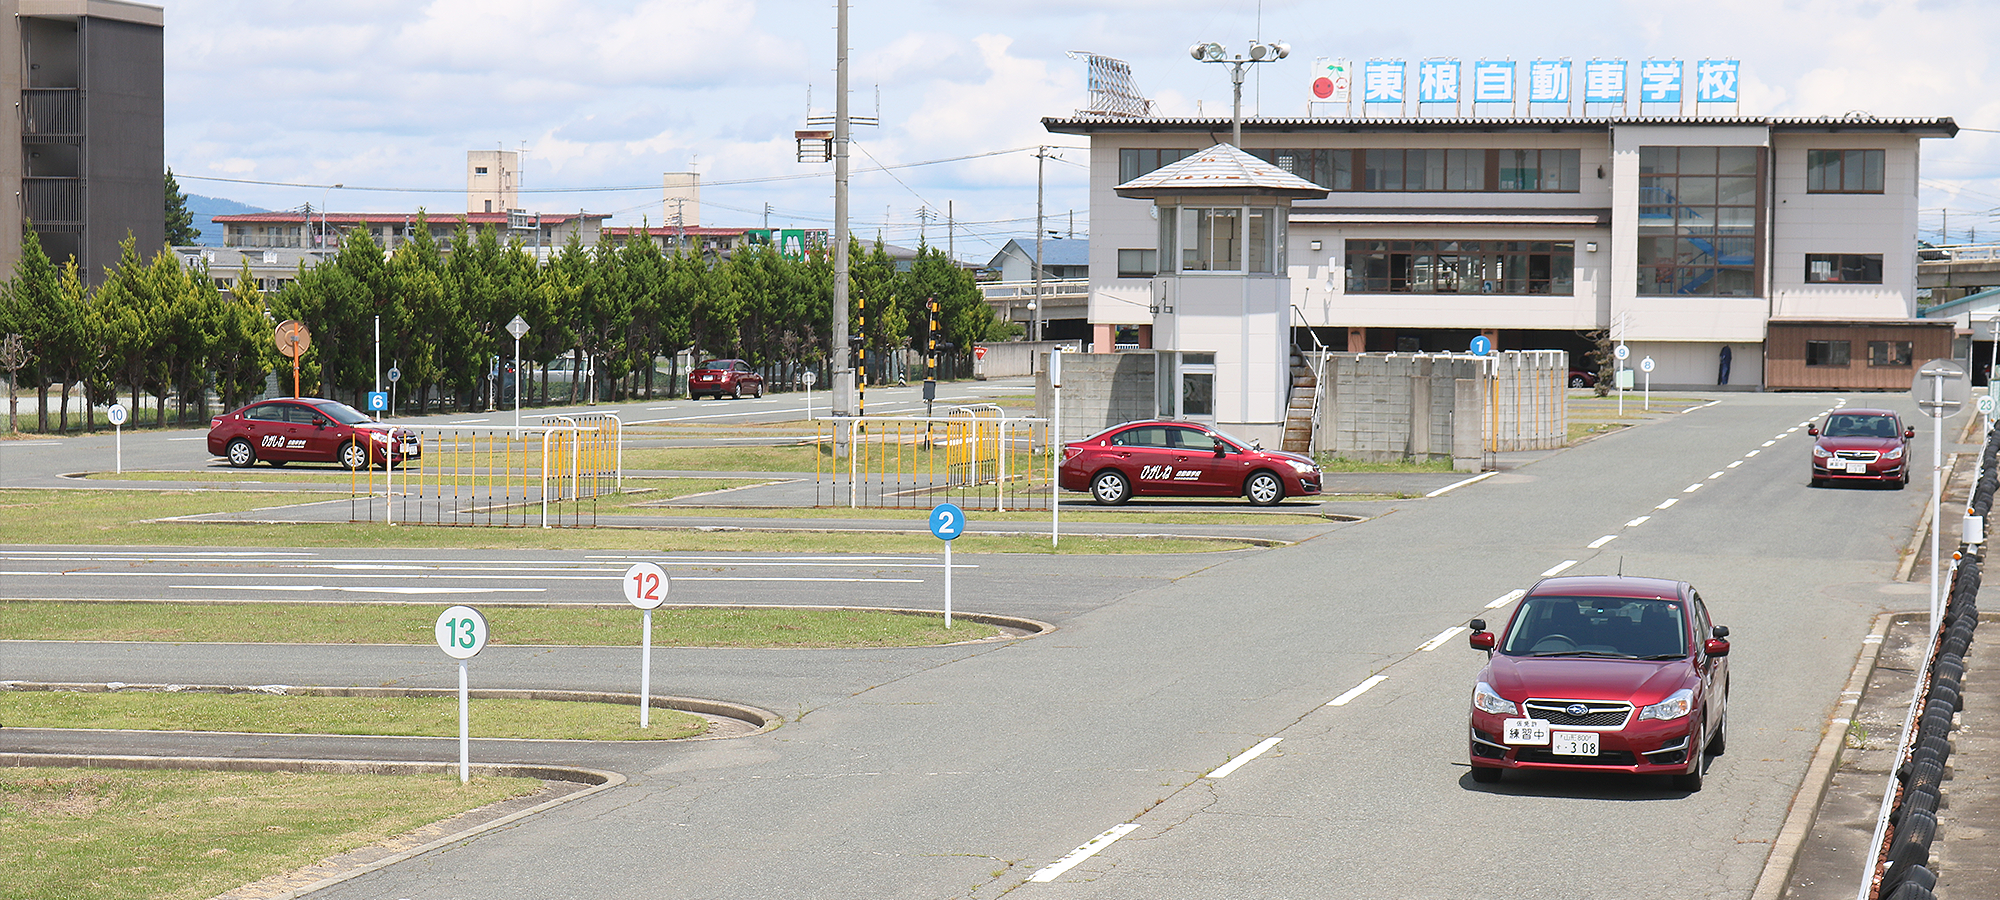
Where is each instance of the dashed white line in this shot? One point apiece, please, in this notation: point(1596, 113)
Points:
point(1054, 870)
point(1459, 484)
point(1715, 476)
point(1558, 567)
point(1441, 638)
point(1247, 755)
point(1356, 691)
point(1507, 598)
point(1601, 541)
point(1668, 502)
point(1691, 488)
point(1733, 464)
point(1769, 443)
point(1637, 522)
point(1751, 454)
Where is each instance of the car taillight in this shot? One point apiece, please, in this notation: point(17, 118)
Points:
point(215, 422)
point(1071, 452)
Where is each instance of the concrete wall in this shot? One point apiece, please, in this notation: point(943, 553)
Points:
point(1014, 359)
point(1382, 407)
point(1099, 390)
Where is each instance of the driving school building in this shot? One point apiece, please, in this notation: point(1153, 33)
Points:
point(1742, 251)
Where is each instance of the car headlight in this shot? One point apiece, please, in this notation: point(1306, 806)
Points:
point(1303, 468)
point(1821, 452)
point(1484, 698)
point(1677, 704)
point(1894, 454)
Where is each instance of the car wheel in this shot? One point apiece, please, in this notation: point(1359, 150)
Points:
point(1109, 488)
point(760, 392)
point(353, 455)
point(240, 453)
point(1816, 482)
point(1486, 774)
point(1690, 781)
point(736, 393)
point(1720, 742)
point(1904, 481)
point(277, 463)
point(1264, 489)
point(1575, 381)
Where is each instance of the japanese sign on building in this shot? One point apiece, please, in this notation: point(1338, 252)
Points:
point(1548, 81)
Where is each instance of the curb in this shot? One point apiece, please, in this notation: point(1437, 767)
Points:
point(1804, 811)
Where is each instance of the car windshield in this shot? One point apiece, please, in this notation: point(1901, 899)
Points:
point(1598, 626)
point(1860, 426)
point(711, 364)
point(344, 414)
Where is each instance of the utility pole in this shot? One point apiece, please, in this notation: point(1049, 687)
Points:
point(843, 367)
point(1035, 310)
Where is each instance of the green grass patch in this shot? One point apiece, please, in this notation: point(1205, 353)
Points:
point(1333, 463)
point(257, 713)
point(120, 834)
point(130, 517)
point(1580, 430)
point(728, 459)
point(565, 626)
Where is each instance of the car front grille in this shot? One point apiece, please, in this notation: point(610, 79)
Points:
point(1858, 455)
point(1595, 713)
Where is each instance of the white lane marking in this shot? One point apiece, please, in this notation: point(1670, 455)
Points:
point(271, 575)
point(1507, 598)
point(1438, 641)
point(1668, 502)
point(1247, 755)
point(352, 589)
point(1751, 454)
point(1733, 464)
point(468, 421)
point(1691, 488)
point(1558, 568)
point(185, 439)
point(54, 443)
point(1357, 690)
point(1601, 542)
point(1769, 443)
point(1455, 485)
point(1703, 406)
point(1637, 522)
point(1054, 870)
point(1715, 476)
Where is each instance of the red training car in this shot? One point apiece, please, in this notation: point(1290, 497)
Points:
point(1182, 459)
point(1861, 445)
point(716, 377)
point(308, 429)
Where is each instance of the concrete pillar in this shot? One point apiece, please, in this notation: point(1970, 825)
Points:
point(1102, 336)
point(1468, 426)
point(1357, 340)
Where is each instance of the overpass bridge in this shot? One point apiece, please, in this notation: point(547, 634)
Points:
point(1969, 266)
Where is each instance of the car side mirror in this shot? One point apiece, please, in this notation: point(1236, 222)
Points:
point(1481, 639)
point(1720, 631)
point(1221, 450)
point(1909, 433)
point(1812, 430)
point(1715, 647)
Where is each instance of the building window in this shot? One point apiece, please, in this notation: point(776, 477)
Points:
point(1843, 268)
point(1431, 169)
point(1461, 267)
point(1136, 161)
point(1844, 171)
point(1138, 263)
point(1699, 220)
point(1826, 353)
point(1890, 353)
point(479, 170)
point(1223, 239)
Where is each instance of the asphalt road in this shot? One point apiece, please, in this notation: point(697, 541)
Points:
point(971, 771)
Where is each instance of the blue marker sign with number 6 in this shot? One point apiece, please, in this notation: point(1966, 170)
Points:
point(947, 521)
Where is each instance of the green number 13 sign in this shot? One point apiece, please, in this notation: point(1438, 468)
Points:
point(461, 632)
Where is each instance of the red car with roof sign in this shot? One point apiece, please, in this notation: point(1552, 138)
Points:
point(1602, 674)
point(716, 377)
point(1182, 459)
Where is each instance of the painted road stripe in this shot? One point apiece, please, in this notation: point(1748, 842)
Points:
point(1455, 485)
point(1601, 541)
point(271, 575)
point(352, 589)
point(1715, 476)
point(1355, 691)
point(1691, 488)
point(1246, 756)
point(1703, 406)
point(1637, 522)
point(1507, 598)
point(1558, 567)
point(1751, 454)
point(1438, 641)
point(1733, 464)
point(1769, 443)
point(1668, 502)
point(1054, 871)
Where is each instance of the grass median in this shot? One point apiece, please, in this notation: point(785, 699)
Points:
point(111, 834)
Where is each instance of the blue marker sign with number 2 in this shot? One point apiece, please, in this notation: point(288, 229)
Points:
point(947, 521)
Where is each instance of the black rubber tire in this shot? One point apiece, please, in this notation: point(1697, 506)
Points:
point(1719, 742)
point(1486, 774)
point(1263, 489)
point(1690, 781)
point(353, 456)
point(240, 453)
point(736, 393)
point(277, 463)
point(1575, 381)
point(1110, 488)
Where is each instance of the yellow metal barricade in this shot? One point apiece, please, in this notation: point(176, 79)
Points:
point(544, 475)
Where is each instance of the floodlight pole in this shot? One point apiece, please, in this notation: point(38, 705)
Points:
point(1212, 52)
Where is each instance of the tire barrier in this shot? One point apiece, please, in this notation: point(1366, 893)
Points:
point(1900, 867)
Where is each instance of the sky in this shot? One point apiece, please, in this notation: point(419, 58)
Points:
point(271, 102)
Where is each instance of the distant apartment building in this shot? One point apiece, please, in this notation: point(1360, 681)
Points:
point(492, 180)
point(85, 78)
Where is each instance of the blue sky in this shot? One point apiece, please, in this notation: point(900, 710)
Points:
point(386, 96)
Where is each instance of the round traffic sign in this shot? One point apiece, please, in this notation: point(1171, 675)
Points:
point(1986, 405)
point(1481, 345)
point(809, 376)
point(292, 338)
point(116, 413)
point(947, 521)
point(461, 632)
point(1622, 352)
point(645, 586)
point(395, 374)
point(1646, 365)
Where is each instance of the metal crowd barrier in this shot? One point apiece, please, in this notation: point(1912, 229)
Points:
point(1900, 858)
point(974, 457)
point(548, 475)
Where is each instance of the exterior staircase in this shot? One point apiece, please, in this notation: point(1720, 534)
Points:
point(1302, 409)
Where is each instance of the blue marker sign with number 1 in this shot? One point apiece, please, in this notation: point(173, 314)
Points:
point(947, 521)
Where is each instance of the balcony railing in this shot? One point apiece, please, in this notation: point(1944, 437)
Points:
point(51, 113)
point(52, 201)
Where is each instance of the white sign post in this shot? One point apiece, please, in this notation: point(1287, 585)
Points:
point(1055, 450)
point(1941, 389)
point(1622, 353)
point(646, 588)
point(117, 416)
point(809, 376)
point(461, 634)
point(517, 328)
point(947, 523)
point(1646, 366)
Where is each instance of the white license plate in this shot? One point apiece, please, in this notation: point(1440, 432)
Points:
point(1528, 731)
point(1573, 743)
point(1857, 468)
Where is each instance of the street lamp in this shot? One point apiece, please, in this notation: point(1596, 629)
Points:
point(325, 198)
point(1212, 52)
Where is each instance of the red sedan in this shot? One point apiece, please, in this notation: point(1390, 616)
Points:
point(716, 377)
point(1869, 445)
point(1602, 674)
point(1182, 459)
point(308, 429)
